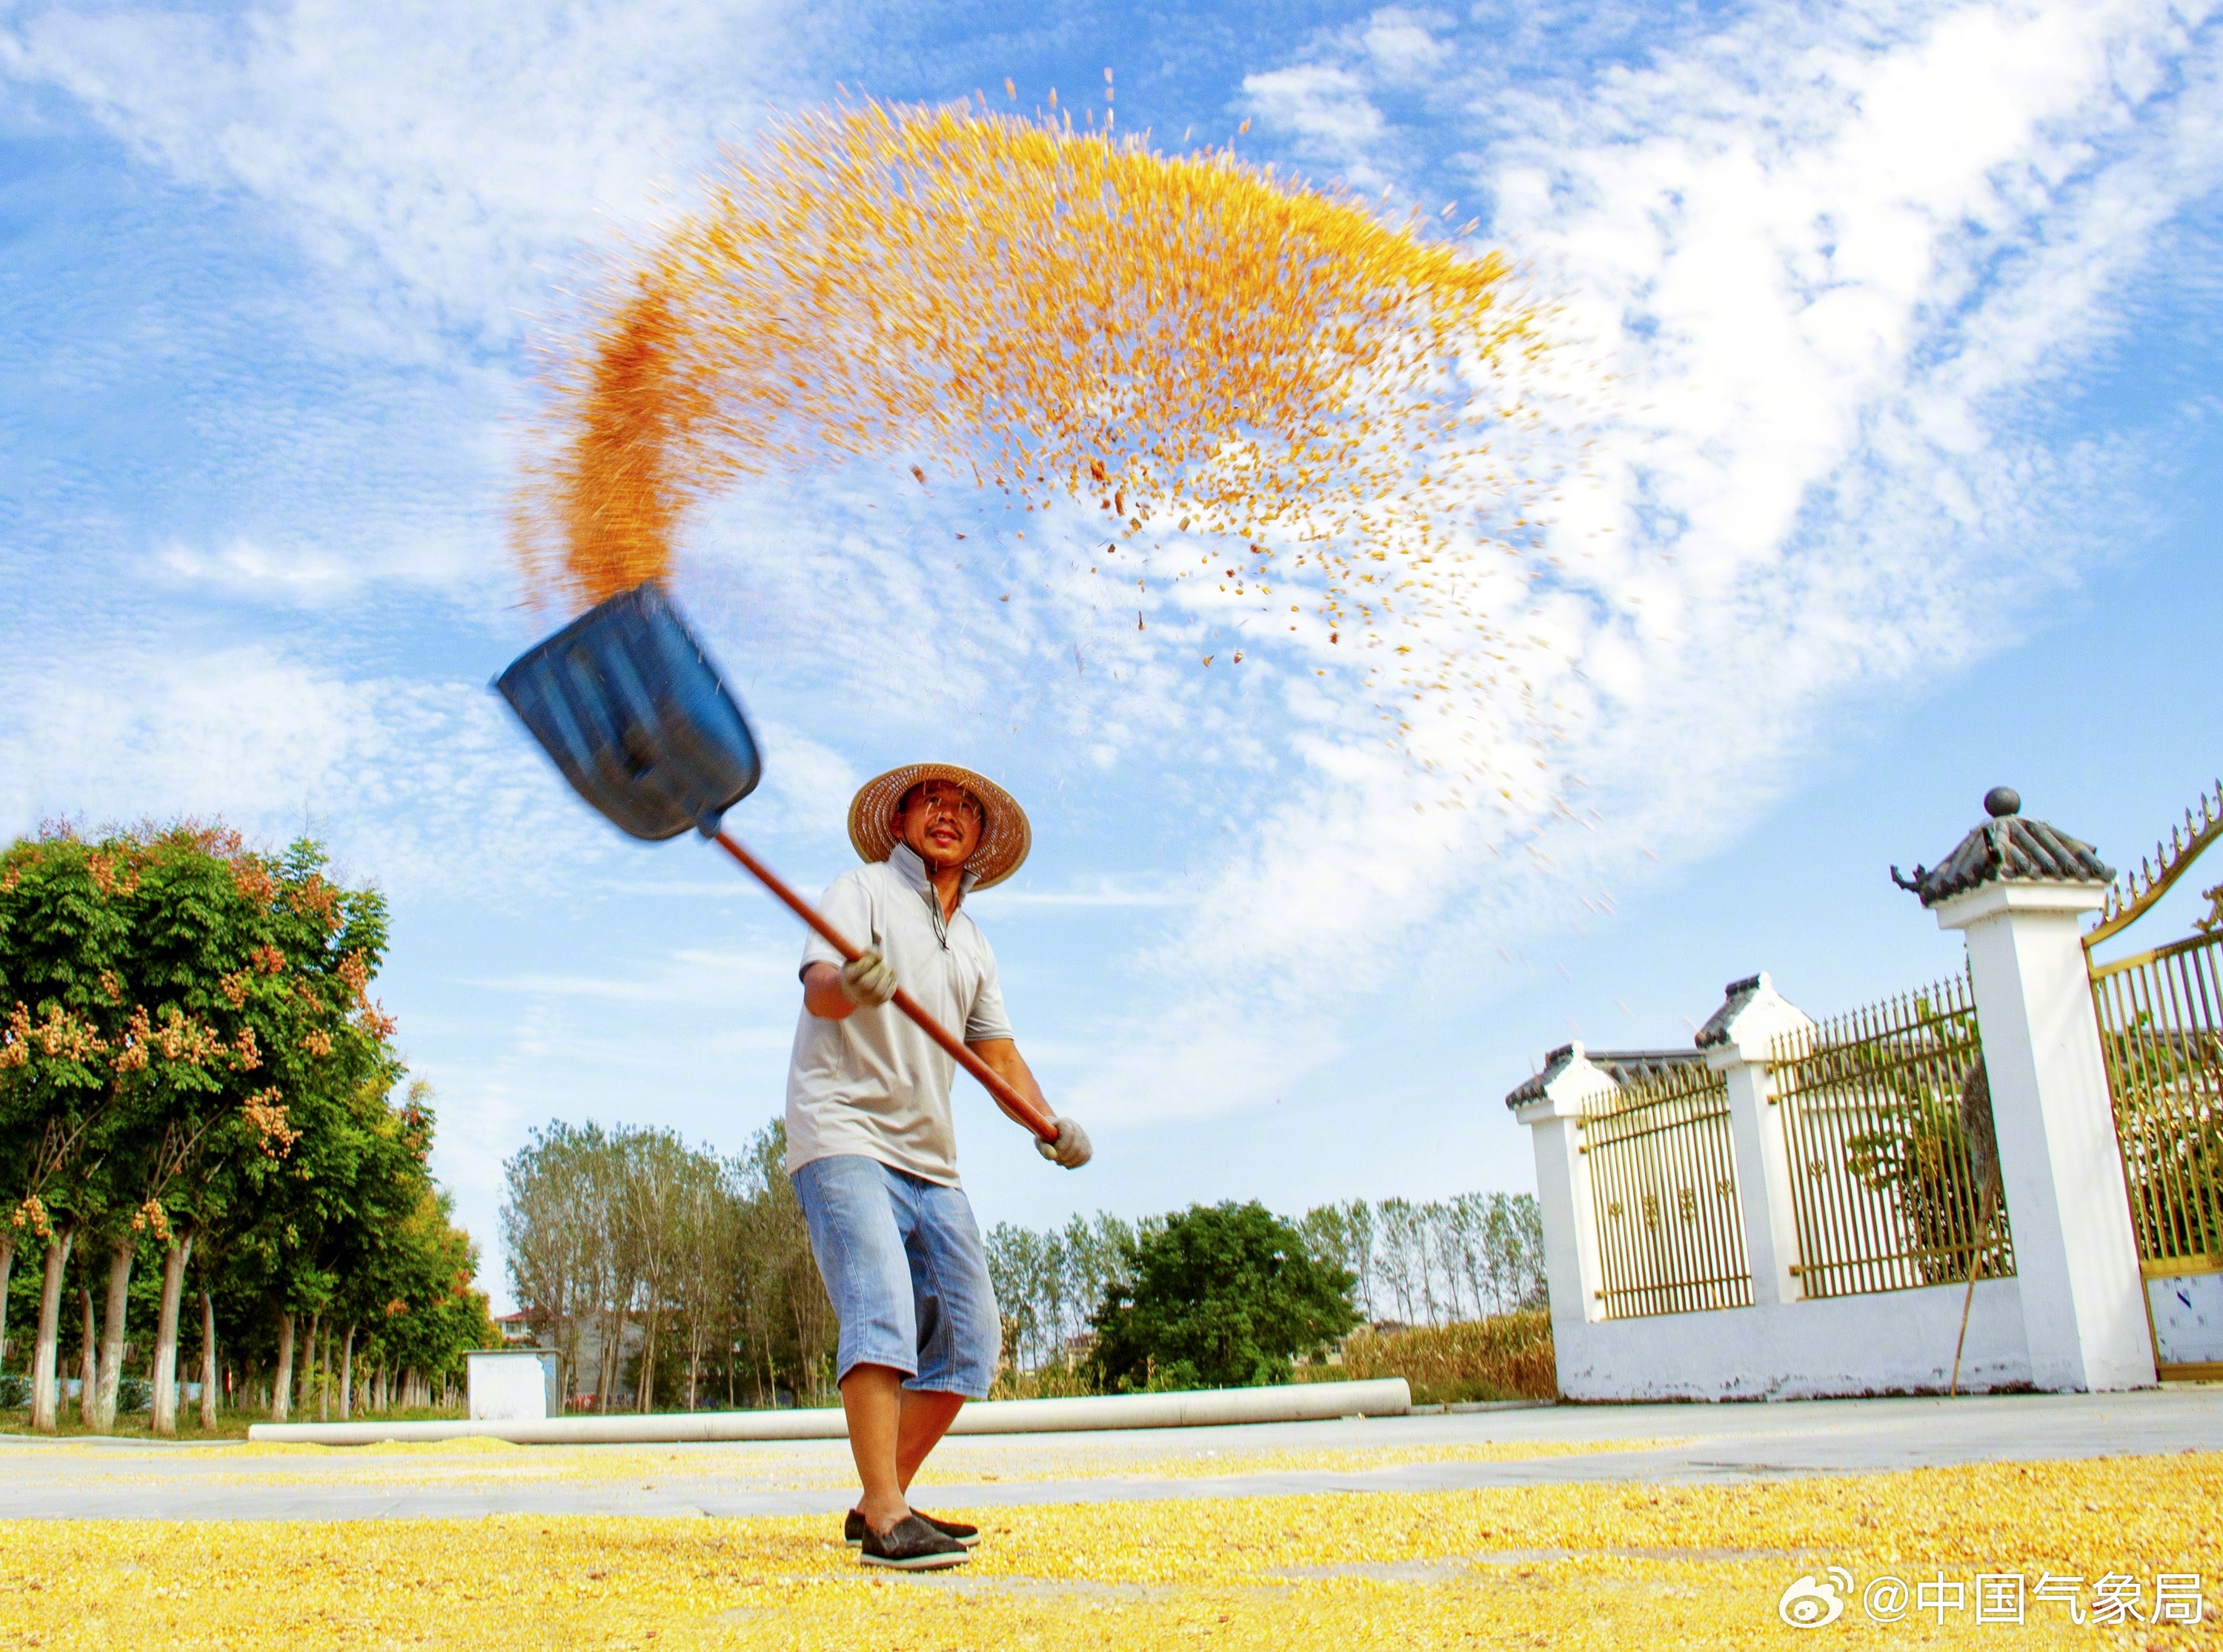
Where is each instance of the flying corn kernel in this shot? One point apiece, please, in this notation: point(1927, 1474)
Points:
point(1049, 310)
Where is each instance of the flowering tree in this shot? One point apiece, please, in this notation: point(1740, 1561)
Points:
point(190, 1055)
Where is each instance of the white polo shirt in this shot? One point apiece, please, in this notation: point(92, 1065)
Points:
point(874, 1083)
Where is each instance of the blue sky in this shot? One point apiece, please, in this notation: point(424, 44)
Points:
point(1902, 484)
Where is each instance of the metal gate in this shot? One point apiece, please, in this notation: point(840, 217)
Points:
point(1883, 1186)
point(1663, 1181)
point(2161, 1029)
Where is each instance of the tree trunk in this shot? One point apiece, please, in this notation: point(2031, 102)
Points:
point(45, 1380)
point(306, 1375)
point(612, 1355)
point(325, 1373)
point(120, 1256)
point(347, 1376)
point(282, 1390)
point(208, 1364)
point(7, 1267)
point(88, 1363)
point(165, 1335)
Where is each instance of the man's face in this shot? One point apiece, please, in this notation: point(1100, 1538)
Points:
point(941, 823)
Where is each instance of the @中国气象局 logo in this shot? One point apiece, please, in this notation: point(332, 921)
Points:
point(1811, 1602)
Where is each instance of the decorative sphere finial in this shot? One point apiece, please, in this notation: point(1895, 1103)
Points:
point(2001, 802)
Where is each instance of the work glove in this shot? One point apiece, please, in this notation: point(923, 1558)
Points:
point(867, 982)
point(1071, 1149)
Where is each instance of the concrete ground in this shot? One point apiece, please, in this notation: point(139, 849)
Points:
point(1687, 1444)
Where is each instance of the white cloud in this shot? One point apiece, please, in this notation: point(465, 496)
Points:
point(692, 976)
point(439, 156)
point(1404, 47)
point(1830, 254)
point(1106, 893)
point(1328, 114)
point(1830, 264)
point(424, 787)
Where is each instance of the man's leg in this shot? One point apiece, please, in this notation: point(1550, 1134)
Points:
point(880, 1414)
point(857, 1235)
point(926, 1417)
point(959, 1327)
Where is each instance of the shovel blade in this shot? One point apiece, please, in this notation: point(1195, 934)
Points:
point(629, 707)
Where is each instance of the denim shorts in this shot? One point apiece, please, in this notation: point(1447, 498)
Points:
point(903, 1265)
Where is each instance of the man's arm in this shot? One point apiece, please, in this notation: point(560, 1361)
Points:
point(1003, 1059)
point(1071, 1149)
point(864, 981)
point(822, 996)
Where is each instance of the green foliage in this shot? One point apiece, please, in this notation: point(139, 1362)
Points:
point(1915, 1148)
point(1225, 1296)
point(1462, 1258)
point(2169, 1113)
point(423, 1268)
point(1917, 1153)
point(665, 1275)
point(1049, 1283)
point(181, 1011)
point(190, 1056)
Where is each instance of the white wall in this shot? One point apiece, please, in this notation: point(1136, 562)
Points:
point(1892, 1342)
point(2075, 1320)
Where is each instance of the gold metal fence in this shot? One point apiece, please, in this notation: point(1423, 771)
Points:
point(1663, 1184)
point(2161, 1025)
point(2160, 1031)
point(1882, 1185)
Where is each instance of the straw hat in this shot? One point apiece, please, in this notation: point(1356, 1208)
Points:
point(1005, 837)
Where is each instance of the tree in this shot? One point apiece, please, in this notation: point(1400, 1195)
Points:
point(434, 1317)
point(709, 1258)
point(783, 1315)
point(63, 941)
point(1226, 1296)
point(189, 1056)
point(548, 1227)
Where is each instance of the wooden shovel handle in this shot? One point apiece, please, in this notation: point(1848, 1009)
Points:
point(993, 1082)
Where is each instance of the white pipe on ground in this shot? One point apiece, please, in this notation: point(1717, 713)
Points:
point(1198, 1408)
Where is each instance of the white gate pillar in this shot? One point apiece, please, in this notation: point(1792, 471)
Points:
point(2017, 889)
point(1551, 1105)
point(1736, 1040)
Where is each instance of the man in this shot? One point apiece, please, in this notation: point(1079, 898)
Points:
point(870, 1144)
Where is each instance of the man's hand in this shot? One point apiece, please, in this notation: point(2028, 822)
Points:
point(1071, 1149)
point(867, 982)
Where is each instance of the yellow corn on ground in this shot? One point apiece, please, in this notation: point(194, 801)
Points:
point(1606, 1565)
point(481, 1461)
